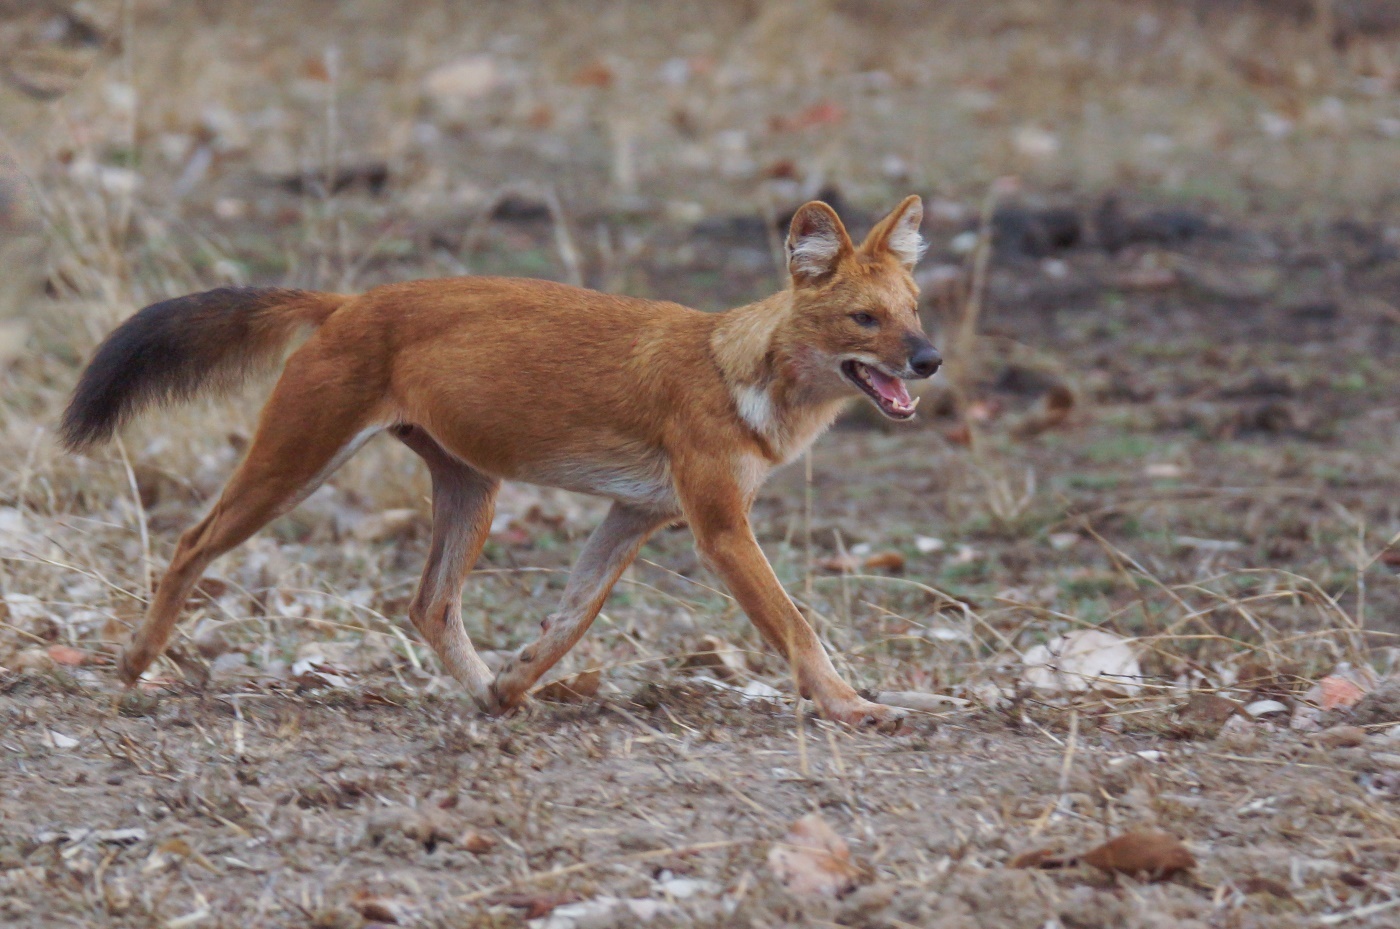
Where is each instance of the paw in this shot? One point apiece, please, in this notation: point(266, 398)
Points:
point(872, 717)
point(499, 702)
point(130, 667)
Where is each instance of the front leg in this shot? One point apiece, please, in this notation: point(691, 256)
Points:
point(718, 513)
point(606, 554)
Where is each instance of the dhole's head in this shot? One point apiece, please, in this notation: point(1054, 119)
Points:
point(855, 314)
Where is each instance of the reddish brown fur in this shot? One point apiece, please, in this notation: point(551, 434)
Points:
point(650, 403)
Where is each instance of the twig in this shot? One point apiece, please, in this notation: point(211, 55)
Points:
point(542, 876)
point(140, 520)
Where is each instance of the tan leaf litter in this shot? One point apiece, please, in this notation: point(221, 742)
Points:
point(1083, 660)
point(812, 860)
point(579, 688)
point(1143, 853)
point(723, 660)
point(1147, 854)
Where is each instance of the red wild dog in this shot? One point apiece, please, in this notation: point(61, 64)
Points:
point(669, 412)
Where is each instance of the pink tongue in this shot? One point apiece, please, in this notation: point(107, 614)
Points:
point(891, 388)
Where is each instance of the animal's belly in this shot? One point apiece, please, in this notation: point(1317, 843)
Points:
point(645, 481)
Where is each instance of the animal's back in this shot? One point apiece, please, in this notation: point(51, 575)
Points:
point(507, 370)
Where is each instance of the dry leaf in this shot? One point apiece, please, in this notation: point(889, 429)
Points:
point(379, 909)
point(1087, 659)
point(1340, 737)
point(535, 905)
point(387, 524)
point(822, 113)
point(67, 656)
point(843, 563)
point(478, 843)
point(812, 860)
point(885, 561)
point(1043, 858)
point(1146, 853)
point(58, 740)
point(577, 689)
point(717, 656)
point(1203, 715)
point(1053, 413)
point(1338, 692)
point(427, 827)
point(597, 74)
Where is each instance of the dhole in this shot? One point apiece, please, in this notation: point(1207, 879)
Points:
point(670, 412)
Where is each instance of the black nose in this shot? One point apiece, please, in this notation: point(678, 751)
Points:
point(925, 359)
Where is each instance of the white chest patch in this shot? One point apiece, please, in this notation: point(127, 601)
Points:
point(755, 408)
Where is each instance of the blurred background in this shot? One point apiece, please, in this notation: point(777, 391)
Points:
point(1164, 264)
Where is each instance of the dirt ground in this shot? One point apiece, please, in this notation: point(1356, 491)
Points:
point(1169, 414)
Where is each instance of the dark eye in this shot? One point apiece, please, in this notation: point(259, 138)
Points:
point(865, 319)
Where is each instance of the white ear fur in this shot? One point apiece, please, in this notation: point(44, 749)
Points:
point(813, 255)
point(814, 243)
point(904, 240)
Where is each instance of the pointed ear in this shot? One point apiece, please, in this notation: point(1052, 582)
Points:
point(816, 243)
point(898, 233)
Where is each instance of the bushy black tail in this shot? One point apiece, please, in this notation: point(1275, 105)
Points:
point(172, 350)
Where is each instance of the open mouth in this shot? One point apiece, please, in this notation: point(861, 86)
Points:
point(889, 393)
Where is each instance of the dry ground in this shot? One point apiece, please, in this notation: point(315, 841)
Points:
point(1175, 421)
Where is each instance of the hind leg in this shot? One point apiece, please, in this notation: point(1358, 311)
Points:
point(464, 500)
point(310, 426)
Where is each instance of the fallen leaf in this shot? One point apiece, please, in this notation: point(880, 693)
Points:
point(1043, 858)
point(466, 79)
point(1054, 412)
point(315, 671)
point(958, 435)
point(68, 656)
point(822, 113)
point(718, 656)
point(597, 74)
point(885, 561)
point(1339, 693)
point(1265, 885)
point(427, 827)
point(379, 909)
point(812, 860)
point(1265, 708)
point(535, 905)
point(1083, 660)
point(983, 411)
point(60, 741)
point(1164, 470)
point(1203, 715)
point(1142, 853)
point(576, 689)
point(844, 563)
point(478, 843)
point(1340, 737)
point(387, 524)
